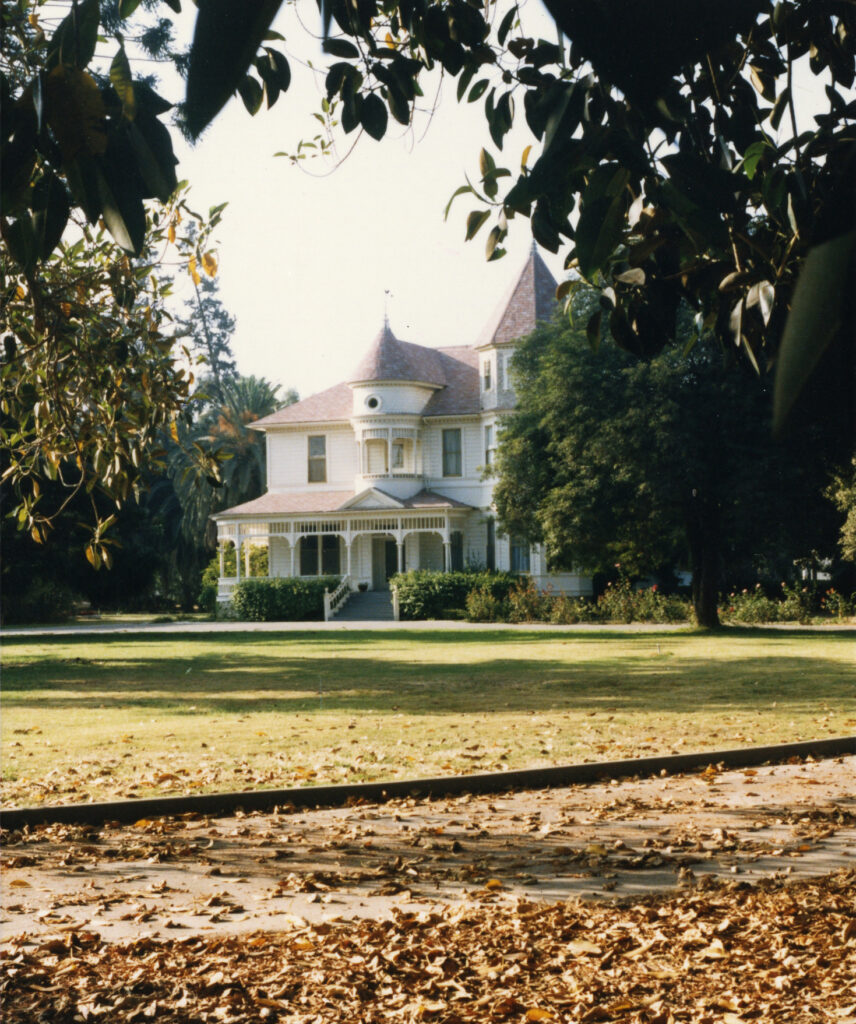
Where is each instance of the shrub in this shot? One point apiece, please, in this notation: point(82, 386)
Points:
point(426, 594)
point(484, 606)
point(798, 603)
point(42, 601)
point(616, 603)
point(566, 611)
point(751, 606)
point(526, 604)
point(207, 599)
point(836, 604)
point(283, 599)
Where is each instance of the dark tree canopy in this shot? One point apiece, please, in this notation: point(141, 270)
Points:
point(656, 463)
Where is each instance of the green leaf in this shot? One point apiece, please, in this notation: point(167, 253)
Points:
point(373, 116)
point(599, 230)
point(127, 7)
point(341, 48)
point(458, 192)
point(505, 25)
point(398, 106)
point(120, 79)
point(478, 90)
point(475, 221)
point(156, 162)
point(76, 37)
point(226, 38)
point(121, 205)
point(252, 94)
point(816, 316)
point(51, 216)
point(779, 107)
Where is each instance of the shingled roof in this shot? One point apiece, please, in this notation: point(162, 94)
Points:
point(391, 359)
point(330, 501)
point(329, 406)
point(531, 299)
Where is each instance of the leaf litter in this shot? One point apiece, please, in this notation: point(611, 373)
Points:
point(772, 953)
point(468, 904)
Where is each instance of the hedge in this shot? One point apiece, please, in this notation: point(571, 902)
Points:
point(282, 599)
point(425, 594)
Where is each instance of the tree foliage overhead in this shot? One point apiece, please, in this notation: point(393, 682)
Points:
point(656, 463)
point(672, 161)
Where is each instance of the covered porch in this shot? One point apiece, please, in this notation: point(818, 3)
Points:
point(366, 549)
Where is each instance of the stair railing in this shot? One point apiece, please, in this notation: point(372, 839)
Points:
point(333, 603)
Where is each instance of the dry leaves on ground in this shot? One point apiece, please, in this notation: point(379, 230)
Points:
point(774, 954)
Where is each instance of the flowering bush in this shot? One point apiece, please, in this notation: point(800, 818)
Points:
point(751, 606)
point(798, 603)
point(836, 604)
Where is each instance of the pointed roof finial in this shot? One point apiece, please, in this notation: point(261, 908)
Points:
point(387, 295)
point(534, 249)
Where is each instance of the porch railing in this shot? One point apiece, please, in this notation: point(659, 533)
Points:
point(334, 602)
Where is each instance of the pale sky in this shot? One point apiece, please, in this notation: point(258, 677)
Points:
point(306, 255)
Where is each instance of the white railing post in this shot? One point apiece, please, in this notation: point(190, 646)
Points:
point(326, 605)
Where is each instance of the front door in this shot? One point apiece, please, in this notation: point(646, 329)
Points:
point(384, 562)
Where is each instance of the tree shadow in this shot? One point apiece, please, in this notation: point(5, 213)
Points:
point(237, 674)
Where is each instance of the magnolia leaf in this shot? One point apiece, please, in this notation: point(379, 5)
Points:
point(373, 116)
point(225, 41)
point(475, 221)
point(120, 79)
point(824, 286)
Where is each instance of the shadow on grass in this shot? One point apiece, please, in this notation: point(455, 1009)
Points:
point(237, 674)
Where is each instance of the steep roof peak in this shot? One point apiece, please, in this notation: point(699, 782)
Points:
point(388, 358)
point(531, 299)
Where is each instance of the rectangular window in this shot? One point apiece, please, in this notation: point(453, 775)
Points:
point(330, 555)
point(519, 555)
point(317, 460)
point(456, 551)
point(397, 455)
point(488, 444)
point(452, 452)
point(490, 553)
point(501, 372)
point(309, 556)
point(488, 383)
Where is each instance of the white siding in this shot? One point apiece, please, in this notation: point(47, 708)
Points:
point(288, 459)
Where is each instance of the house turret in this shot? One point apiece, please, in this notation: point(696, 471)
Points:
point(391, 386)
point(531, 300)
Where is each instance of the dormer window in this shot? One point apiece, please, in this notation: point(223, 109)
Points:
point(488, 383)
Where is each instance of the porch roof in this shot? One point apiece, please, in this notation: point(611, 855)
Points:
point(335, 501)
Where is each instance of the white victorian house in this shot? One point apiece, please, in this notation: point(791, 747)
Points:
point(385, 472)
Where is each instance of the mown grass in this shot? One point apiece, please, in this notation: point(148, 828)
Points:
point(93, 718)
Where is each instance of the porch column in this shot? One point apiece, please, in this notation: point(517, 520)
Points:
point(291, 551)
point(447, 555)
point(348, 544)
point(221, 551)
point(247, 559)
point(238, 556)
point(400, 546)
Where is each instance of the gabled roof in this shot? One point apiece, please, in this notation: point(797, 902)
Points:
point(531, 299)
point(334, 404)
point(391, 359)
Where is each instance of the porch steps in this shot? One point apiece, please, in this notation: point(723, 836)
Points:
point(372, 606)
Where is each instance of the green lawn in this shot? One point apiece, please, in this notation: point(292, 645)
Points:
point(96, 718)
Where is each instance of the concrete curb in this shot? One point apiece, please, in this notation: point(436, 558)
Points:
point(377, 792)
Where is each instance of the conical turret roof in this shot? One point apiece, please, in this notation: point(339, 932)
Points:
point(531, 299)
point(389, 359)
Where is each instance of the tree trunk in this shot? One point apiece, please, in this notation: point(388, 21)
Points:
point(703, 536)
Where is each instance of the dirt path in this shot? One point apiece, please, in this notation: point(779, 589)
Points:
point(219, 876)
